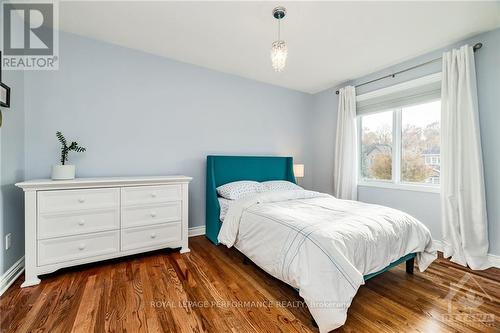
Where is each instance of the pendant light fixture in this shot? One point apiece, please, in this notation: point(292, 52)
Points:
point(279, 50)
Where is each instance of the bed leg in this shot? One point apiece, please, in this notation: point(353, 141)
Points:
point(409, 265)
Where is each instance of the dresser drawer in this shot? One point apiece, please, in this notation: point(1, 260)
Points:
point(150, 194)
point(73, 200)
point(66, 224)
point(135, 216)
point(142, 237)
point(58, 250)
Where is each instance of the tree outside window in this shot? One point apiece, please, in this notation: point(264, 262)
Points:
point(419, 139)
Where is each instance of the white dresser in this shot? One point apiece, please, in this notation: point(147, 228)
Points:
point(73, 222)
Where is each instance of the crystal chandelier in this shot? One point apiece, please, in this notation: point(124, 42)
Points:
point(279, 50)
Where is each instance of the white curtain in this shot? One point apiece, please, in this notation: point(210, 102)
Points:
point(346, 147)
point(463, 203)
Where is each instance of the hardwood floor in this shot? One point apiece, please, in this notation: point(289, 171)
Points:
point(212, 290)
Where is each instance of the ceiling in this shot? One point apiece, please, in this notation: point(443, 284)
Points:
point(328, 42)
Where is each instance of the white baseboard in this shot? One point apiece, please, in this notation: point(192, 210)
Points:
point(493, 258)
point(196, 231)
point(8, 278)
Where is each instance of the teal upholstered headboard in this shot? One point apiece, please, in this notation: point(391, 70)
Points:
point(225, 169)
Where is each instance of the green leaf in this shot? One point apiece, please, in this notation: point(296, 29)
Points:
point(61, 138)
point(65, 149)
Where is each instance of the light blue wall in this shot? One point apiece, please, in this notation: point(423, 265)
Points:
point(12, 171)
point(323, 130)
point(425, 206)
point(488, 86)
point(140, 114)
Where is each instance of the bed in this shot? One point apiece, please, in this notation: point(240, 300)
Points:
point(296, 236)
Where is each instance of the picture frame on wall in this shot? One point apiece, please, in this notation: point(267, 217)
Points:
point(4, 95)
point(4, 89)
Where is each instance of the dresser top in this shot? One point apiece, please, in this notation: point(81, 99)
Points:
point(49, 184)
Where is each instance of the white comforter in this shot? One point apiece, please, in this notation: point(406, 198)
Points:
point(322, 245)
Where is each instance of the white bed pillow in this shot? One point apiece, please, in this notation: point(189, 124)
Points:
point(239, 189)
point(224, 207)
point(280, 185)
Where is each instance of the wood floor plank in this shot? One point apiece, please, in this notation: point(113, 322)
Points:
point(39, 308)
point(135, 310)
point(67, 307)
point(104, 282)
point(212, 290)
point(183, 313)
point(213, 319)
point(238, 281)
point(152, 322)
point(116, 300)
point(165, 308)
point(86, 315)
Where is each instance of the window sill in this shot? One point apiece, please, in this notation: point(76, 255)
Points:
point(402, 187)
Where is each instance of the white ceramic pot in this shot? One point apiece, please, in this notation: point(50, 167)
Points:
point(61, 172)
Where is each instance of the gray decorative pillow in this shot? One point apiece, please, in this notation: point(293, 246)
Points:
point(281, 185)
point(240, 189)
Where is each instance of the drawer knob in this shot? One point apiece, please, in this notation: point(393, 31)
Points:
point(153, 195)
point(81, 200)
point(81, 222)
point(153, 235)
point(81, 247)
point(153, 214)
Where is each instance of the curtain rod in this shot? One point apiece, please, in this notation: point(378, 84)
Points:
point(476, 47)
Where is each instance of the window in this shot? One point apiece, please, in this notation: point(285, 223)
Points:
point(420, 143)
point(401, 146)
point(399, 135)
point(376, 146)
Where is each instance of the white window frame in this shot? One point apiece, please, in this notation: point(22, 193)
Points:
point(395, 182)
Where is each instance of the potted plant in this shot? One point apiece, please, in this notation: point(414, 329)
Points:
point(65, 171)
